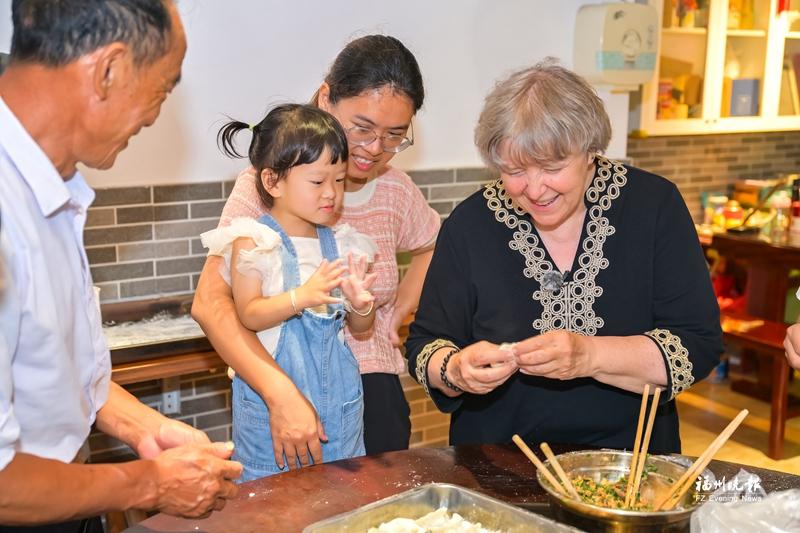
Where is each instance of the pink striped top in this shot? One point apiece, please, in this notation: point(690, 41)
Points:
point(391, 210)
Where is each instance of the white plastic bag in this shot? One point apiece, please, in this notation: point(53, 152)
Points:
point(740, 505)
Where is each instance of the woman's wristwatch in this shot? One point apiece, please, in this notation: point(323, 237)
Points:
point(443, 371)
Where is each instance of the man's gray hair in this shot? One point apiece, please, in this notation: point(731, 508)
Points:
point(57, 32)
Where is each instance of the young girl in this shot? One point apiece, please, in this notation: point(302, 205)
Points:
point(374, 88)
point(283, 270)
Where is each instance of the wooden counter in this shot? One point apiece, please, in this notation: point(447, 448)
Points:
point(290, 501)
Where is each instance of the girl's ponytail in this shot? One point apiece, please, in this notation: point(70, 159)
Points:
point(227, 133)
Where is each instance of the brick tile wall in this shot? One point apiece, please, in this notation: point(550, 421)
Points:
point(143, 243)
point(711, 163)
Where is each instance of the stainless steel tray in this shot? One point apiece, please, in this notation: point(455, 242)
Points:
point(415, 503)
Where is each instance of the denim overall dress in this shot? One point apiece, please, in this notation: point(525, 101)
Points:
point(321, 366)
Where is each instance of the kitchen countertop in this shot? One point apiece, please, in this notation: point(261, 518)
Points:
point(290, 501)
point(150, 329)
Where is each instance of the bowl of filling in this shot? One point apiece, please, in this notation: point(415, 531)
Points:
point(601, 477)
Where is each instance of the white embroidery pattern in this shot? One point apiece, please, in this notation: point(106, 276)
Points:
point(680, 367)
point(572, 307)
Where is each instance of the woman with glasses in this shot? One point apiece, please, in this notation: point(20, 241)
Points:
point(374, 88)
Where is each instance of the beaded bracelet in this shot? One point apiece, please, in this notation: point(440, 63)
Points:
point(443, 372)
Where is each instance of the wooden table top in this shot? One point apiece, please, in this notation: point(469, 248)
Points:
point(290, 501)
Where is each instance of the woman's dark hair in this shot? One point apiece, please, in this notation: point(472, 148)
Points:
point(57, 32)
point(372, 62)
point(290, 135)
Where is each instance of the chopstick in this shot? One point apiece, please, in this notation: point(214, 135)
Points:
point(539, 465)
point(637, 444)
point(560, 471)
point(645, 444)
point(683, 485)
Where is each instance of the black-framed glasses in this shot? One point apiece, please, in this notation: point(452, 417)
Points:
point(361, 136)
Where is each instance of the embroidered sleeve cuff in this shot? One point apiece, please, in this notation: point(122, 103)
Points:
point(424, 358)
point(676, 356)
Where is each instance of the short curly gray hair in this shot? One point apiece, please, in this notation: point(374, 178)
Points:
point(539, 115)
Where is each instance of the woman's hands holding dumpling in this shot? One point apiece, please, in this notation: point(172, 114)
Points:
point(557, 354)
point(481, 367)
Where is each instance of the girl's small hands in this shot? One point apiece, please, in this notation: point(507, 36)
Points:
point(356, 284)
point(317, 290)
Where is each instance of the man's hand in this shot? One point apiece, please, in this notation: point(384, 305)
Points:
point(170, 433)
point(195, 479)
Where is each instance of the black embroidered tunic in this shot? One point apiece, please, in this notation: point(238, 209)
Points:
point(639, 270)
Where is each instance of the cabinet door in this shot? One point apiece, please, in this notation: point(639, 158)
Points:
point(745, 54)
point(675, 102)
point(787, 105)
point(743, 87)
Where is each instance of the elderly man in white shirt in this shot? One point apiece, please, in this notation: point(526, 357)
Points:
point(84, 77)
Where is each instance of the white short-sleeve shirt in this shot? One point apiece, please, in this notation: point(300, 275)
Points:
point(54, 362)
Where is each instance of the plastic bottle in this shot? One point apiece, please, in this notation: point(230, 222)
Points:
point(782, 204)
point(794, 225)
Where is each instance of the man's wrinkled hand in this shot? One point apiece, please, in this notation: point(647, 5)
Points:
point(195, 479)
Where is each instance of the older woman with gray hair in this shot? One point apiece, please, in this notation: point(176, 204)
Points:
point(559, 290)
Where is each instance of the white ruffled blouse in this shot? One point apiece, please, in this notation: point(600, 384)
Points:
point(264, 260)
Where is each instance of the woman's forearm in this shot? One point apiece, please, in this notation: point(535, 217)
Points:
point(627, 362)
point(239, 347)
point(410, 287)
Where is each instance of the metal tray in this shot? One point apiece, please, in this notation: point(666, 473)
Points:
point(415, 503)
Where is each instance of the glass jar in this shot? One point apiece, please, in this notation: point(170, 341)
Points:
point(733, 214)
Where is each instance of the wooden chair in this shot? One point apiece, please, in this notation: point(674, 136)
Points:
point(766, 341)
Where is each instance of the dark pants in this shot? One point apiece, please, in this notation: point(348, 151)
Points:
point(386, 424)
point(90, 525)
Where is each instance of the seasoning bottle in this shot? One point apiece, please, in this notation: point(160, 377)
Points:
point(717, 206)
point(782, 204)
point(733, 214)
point(794, 225)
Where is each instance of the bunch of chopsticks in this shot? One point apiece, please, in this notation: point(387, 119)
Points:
point(568, 489)
point(638, 459)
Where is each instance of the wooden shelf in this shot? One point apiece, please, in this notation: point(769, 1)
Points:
point(747, 33)
point(684, 31)
point(166, 367)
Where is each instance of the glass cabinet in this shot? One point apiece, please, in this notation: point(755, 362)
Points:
point(723, 66)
